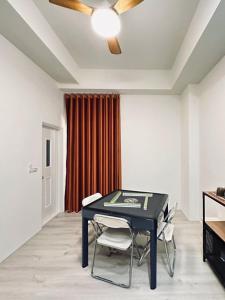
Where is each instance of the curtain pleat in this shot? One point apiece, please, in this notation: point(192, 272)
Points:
point(93, 147)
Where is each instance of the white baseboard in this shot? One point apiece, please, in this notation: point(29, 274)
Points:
point(49, 218)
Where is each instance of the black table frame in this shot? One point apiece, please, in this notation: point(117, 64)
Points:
point(139, 223)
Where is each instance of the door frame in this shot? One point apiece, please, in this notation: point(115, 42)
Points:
point(57, 130)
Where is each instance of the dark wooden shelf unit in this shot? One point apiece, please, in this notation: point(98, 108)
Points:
point(218, 227)
point(214, 239)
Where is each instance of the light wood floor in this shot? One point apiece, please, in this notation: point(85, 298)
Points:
point(48, 267)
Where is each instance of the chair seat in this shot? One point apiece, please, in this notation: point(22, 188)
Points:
point(115, 238)
point(168, 231)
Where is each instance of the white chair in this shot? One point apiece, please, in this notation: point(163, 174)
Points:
point(88, 200)
point(165, 234)
point(117, 235)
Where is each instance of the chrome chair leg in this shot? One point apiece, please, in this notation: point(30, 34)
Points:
point(171, 265)
point(174, 244)
point(168, 258)
point(108, 280)
point(174, 253)
point(137, 248)
point(131, 265)
point(162, 226)
point(93, 261)
point(145, 253)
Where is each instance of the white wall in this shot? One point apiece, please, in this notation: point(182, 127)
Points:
point(184, 203)
point(28, 98)
point(191, 197)
point(211, 93)
point(203, 143)
point(151, 144)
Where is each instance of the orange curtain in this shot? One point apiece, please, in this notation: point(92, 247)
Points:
point(93, 147)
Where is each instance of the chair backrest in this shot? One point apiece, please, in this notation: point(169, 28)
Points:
point(166, 230)
point(161, 217)
point(90, 199)
point(171, 214)
point(111, 222)
point(161, 227)
point(165, 227)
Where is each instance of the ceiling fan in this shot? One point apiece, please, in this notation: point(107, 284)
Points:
point(105, 21)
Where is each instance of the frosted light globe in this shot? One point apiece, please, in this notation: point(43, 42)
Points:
point(105, 22)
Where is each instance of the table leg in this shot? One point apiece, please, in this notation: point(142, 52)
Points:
point(84, 242)
point(153, 257)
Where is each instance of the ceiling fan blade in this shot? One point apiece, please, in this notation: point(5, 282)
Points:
point(122, 6)
point(74, 4)
point(114, 45)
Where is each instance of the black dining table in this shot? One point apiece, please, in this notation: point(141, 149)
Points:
point(140, 218)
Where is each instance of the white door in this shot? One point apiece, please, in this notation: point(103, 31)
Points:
point(49, 167)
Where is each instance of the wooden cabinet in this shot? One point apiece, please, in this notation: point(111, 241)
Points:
point(214, 238)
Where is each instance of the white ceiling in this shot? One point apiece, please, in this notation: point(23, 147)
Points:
point(15, 29)
point(167, 44)
point(151, 35)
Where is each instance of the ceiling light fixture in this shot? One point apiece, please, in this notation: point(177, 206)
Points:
point(106, 22)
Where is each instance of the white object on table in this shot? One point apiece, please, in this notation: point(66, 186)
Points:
point(146, 203)
point(133, 194)
point(134, 205)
